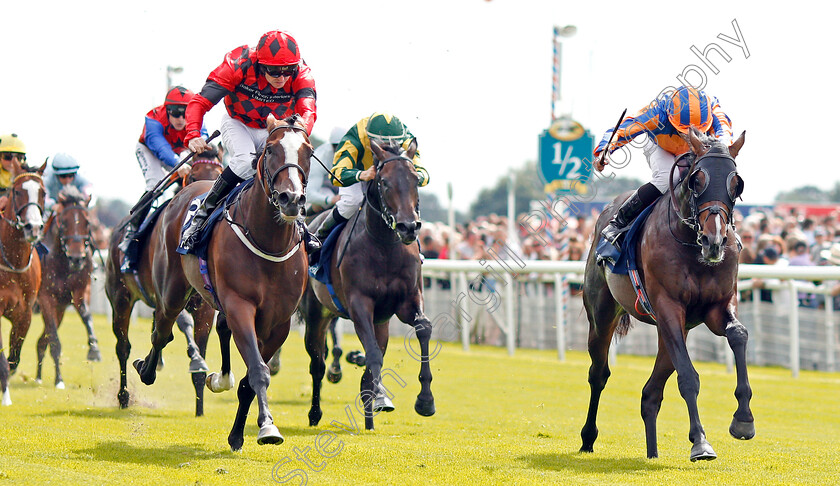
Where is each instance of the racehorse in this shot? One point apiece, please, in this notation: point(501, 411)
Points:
point(65, 275)
point(125, 289)
point(376, 274)
point(21, 225)
point(256, 270)
point(688, 263)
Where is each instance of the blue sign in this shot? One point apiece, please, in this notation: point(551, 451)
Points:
point(565, 163)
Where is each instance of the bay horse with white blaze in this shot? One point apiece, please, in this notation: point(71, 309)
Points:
point(256, 265)
point(125, 289)
point(21, 226)
point(65, 275)
point(688, 262)
point(378, 276)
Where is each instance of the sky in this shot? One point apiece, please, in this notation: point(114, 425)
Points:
point(472, 79)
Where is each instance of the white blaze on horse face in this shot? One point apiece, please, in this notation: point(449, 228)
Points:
point(32, 214)
point(719, 230)
point(291, 143)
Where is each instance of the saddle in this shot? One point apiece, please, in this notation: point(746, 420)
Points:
point(322, 272)
point(200, 249)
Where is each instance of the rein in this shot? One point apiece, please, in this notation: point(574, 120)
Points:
point(86, 239)
point(17, 223)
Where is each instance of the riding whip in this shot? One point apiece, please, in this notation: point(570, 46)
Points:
point(607, 147)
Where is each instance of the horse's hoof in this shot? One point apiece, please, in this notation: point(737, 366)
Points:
point(235, 443)
point(702, 451)
point(356, 357)
point(218, 383)
point(274, 365)
point(138, 365)
point(315, 415)
point(334, 374)
point(122, 397)
point(198, 365)
point(38, 381)
point(7, 398)
point(426, 408)
point(742, 430)
point(269, 435)
point(382, 404)
point(159, 364)
point(94, 354)
point(59, 385)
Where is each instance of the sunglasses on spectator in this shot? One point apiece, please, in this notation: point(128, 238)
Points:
point(277, 71)
point(10, 155)
point(177, 112)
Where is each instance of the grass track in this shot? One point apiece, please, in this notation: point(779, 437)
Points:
point(500, 420)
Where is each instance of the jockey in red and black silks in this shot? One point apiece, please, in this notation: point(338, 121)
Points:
point(270, 79)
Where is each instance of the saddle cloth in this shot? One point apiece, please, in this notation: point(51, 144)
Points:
point(200, 249)
point(322, 272)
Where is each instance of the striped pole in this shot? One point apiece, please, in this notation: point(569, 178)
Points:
point(555, 73)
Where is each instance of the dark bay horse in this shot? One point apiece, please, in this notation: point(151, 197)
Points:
point(65, 275)
point(378, 276)
point(125, 289)
point(256, 264)
point(21, 225)
point(688, 263)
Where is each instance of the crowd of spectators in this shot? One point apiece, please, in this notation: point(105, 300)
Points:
point(768, 238)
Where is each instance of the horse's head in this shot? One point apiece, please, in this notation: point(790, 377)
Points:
point(283, 168)
point(74, 228)
point(25, 208)
point(204, 170)
point(396, 186)
point(711, 187)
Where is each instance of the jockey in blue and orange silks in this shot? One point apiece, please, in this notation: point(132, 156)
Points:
point(663, 121)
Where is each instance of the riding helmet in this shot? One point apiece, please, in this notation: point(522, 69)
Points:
point(11, 143)
point(277, 48)
point(690, 107)
point(64, 164)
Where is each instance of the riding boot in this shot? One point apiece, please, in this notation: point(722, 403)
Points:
point(628, 211)
point(133, 226)
point(332, 219)
point(221, 188)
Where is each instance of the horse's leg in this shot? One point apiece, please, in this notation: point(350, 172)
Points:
point(80, 302)
point(361, 312)
point(55, 344)
point(121, 307)
point(203, 316)
point(315, 341)
point(245, 394)
point(274, 363)
point(186, 324)
point(161, 336)
point(671, 324)
point(21, 320)
point(412, 314)
point(652, 394)
point(224, 380)
point(722, 321)
point(601, 311)
point(334, 371)
point(48, 314)
point(4, 374)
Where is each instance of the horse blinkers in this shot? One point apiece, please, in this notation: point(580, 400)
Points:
point(714, 186)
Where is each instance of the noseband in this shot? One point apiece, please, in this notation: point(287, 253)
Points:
point(272, 193)
point(18, 223)
point(63, 238)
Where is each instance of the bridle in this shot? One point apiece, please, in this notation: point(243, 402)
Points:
point(268, 179)
point(18, 223)
point(383, 210)
point(87, 239)
point(698, 196)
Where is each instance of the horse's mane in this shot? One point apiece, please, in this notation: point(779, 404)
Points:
point(71, 195)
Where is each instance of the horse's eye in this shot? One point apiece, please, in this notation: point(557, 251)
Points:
point(268, 149)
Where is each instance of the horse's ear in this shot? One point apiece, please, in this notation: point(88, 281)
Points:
point(87, 199)
point(412, 149)
point(271, 122)
point(42, 168)
point(3, 202)
point(376, 149)
point(697, 146)
point(736, 147)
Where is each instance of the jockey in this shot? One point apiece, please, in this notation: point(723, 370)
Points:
point(270, 79)
point(321, 194)
point(159, 148)
point(11, 147)
point(665, 122)
point(354, 163)
point(61, 172)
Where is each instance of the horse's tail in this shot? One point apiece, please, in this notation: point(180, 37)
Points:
point(624, 325)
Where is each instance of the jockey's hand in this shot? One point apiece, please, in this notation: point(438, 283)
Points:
point(198, 145)
point(599, 163)
point(184, 170)
point(368, 175)
point(335, 199)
